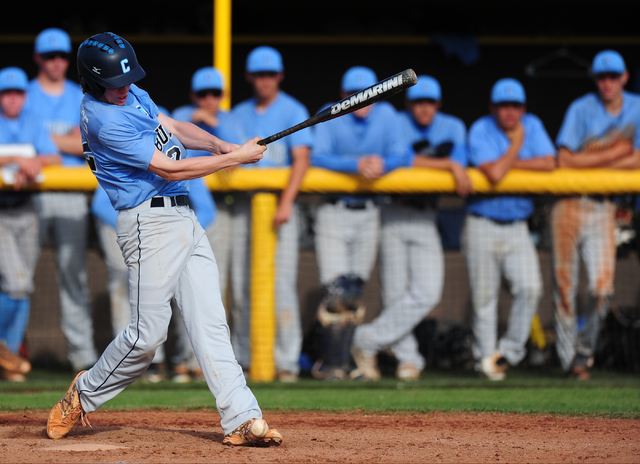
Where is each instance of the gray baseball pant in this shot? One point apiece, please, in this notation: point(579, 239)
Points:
point(412, 277)
point(65, 215)
point(289, 331)
point(581, 227)
point(169, 257)
point(491, 251)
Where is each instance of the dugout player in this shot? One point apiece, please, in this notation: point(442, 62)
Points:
point(495, 239)
point(411, 257)
point(64, 216)
point(600, 130)
point(22, 133)
point(271, 110)
point(348, 226)
point(136, 153)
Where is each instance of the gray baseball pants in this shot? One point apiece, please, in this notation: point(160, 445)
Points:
point(289, 331)
point(65, 217)
point(169, 257)
point(412, 277)
point(491, 251)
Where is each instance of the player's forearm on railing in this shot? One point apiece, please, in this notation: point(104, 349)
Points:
point(628, 162)
point(596, 159)
point(544, 163)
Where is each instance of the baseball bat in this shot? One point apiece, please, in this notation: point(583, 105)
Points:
point(365, 97)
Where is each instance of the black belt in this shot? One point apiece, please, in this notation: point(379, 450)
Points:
point(180, 200)
point(349, 205)
point(500, 222)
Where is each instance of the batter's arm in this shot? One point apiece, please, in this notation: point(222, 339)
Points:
point(195, 138)
point(200, 166)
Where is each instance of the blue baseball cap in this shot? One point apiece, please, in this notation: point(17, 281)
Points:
point(206, 78)
point(264, 59)
point(508, 90)
point(52, 40)
point(426, 88)
point(13, 78)
point(608, 61)
point(358, 78)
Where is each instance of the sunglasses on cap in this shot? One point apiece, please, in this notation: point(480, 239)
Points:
point(517, 105)
point(265, 74)
point(52, 55)
point(204, 92)
point(607, 75)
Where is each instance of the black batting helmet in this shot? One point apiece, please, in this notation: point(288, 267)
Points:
point(107, 61)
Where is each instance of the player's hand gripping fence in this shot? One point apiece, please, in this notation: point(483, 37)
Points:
point(379, 91)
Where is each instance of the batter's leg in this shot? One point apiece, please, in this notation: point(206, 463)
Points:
point(198, 297)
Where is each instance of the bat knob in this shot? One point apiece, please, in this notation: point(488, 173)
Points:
point(410, 76)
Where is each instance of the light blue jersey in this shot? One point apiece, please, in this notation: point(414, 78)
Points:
point(587, 120)
point(61, 113)
point(487, 143)
point(284, 112)
point(119, 142)
point(227, 129)
point(341, 142)
point(443, 129)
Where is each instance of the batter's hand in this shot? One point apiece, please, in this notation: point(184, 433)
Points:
point(250, 152)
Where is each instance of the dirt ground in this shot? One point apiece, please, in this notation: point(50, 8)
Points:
point(194, 437)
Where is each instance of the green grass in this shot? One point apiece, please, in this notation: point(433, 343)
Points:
point(524, 391)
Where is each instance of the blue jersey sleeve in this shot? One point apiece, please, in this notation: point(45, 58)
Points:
point(202, 202)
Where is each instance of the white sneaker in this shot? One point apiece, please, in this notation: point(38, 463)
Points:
point(407, 372)
point(494, 366)
point(367, 366)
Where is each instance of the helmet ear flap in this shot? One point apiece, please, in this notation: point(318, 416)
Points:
point(92, 88)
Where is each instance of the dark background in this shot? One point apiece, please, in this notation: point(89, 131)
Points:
point(319, 41)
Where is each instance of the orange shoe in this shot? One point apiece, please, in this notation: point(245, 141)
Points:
point(254, 432)
point(66, 413)
point(13, 363)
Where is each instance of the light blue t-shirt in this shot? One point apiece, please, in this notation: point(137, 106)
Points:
point(119, 142)
point(487, 143)
point(61, 113)
point(587, 120)
point(284, 112)
point(228, 129)
point(444, 128)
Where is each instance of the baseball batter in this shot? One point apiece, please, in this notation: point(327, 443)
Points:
point(495, 240)
point(136, 153)
point(64, 216)
point(599, 131)
point(271, 110)
point(22, 133)
point(411, 257)
point(348, 227)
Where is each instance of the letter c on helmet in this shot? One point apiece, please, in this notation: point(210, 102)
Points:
point(125, 66)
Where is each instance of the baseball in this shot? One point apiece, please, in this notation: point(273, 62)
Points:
point(259, 428)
